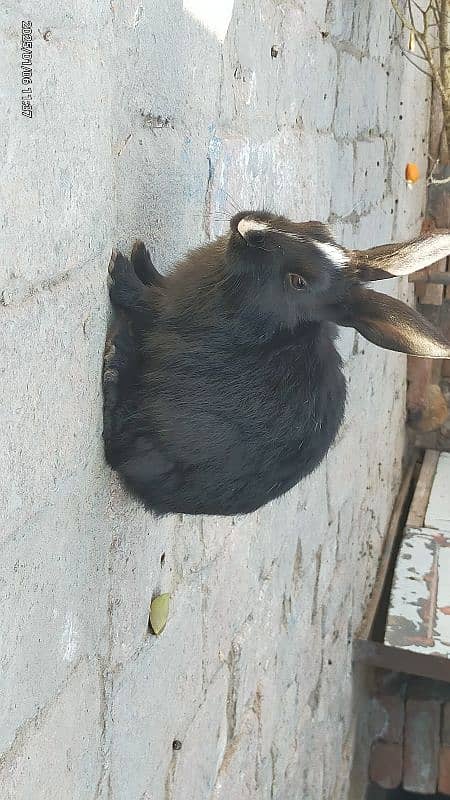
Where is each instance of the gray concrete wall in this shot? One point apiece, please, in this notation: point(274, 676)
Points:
point(152, 119)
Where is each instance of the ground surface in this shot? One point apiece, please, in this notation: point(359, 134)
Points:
point(146, 117)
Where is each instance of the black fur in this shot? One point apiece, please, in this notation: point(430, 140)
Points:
point(230, 389)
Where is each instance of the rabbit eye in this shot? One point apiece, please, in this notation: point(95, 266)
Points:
point(296, 281)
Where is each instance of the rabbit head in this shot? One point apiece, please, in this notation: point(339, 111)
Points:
point(294, 273)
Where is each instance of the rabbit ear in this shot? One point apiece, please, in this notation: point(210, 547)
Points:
point(391, 324)
point(394, 260)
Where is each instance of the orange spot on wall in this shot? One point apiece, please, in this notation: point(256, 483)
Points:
point(412, 173)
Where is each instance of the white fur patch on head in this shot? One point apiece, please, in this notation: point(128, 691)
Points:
point(248, 225)
point(333, 253)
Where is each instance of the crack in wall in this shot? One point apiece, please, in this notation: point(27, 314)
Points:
point(314, 607)
point(170, 778)
point(231, 701)
point(12, 296)
point(106, 677)
point(33, 724)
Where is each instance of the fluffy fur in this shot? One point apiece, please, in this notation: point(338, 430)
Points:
point(222, 384)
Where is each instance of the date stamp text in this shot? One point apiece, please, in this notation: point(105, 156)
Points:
point(27, 68)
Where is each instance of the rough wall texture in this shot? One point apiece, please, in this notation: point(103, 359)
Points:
point(153, 119)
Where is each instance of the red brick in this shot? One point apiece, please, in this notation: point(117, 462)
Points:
point(421, 746)
point(444, 770)
point(386, 762)
point(390, 717)
point(445, 733)
point(419, 378)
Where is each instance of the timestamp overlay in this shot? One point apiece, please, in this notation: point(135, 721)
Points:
point(26, 68)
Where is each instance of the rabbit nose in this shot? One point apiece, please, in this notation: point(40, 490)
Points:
point(252, 230)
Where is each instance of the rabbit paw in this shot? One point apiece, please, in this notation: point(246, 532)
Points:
point(110, 379)
point(125, 288)
point(118, 361)
point(143, 266)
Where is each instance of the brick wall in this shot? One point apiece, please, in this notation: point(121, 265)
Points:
point(412, 741)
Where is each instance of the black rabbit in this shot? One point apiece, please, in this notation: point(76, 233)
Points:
point(222, 384)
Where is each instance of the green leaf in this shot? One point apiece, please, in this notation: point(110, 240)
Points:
point(159, 611)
